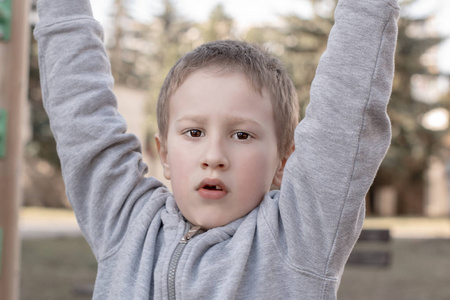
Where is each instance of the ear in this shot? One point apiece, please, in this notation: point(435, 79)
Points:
point(162, 151)
point(280, 170)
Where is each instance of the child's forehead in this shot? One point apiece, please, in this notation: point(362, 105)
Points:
point(202, 75)
point(229, 98)
point(216, 84)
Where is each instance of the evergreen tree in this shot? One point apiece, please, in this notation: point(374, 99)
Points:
point(412, 145)
point(42, 142)
point(128, 48)
point(219, 26)
point(171, 36)
point(143, 53)
point(300, 42)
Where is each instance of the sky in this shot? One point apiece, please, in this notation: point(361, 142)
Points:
point(441, 8)
point(252, 12)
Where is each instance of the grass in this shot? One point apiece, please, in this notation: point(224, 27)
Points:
point(55, 268)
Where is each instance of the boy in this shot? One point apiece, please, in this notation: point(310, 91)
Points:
point(224, 115)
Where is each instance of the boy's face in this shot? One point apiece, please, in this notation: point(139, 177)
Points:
point(221, 148)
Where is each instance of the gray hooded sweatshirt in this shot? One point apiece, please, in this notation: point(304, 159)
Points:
point(294, 245)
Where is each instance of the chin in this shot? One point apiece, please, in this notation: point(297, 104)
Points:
point(209, 224)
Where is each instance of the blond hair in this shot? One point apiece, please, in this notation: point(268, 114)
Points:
point(262, 69)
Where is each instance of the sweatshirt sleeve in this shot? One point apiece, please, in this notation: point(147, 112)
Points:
point(341, 142)
point(101, 164)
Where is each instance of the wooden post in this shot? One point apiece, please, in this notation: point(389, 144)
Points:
point(14, 55)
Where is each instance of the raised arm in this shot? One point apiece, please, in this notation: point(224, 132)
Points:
point(342, 140)
point(101, 164)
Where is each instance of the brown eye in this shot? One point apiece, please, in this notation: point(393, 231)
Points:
point(242, 136)
point(195, 133)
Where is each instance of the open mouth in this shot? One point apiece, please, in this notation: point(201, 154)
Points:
point(213, 188)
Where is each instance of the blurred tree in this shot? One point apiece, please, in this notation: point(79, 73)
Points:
point(300, 42)
point(412, 144)
point(171, 36)
point(42, 143)
point(219, 26)
point(143, 53)
point(128, 48)
point(42, 181)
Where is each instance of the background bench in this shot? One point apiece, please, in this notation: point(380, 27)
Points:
point(366, 257)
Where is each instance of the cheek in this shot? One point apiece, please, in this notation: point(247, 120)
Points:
point(258, 169)
point(180, 163)
point(179, 167)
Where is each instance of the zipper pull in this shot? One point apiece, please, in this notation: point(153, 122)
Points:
point(194, 230)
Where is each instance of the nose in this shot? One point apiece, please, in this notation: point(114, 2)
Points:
point(215, 156)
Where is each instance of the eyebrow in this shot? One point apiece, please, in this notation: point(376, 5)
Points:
point(240, 120)
point(192, 118)
point(233, 120)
